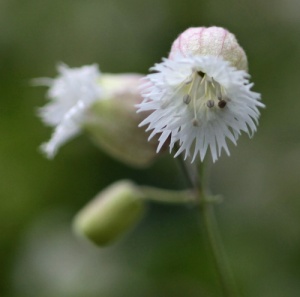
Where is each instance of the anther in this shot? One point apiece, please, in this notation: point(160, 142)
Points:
point(210, 103)
point(187, 99)
point(195, 122)
point(222, 103)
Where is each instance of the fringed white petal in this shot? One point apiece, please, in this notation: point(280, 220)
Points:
point(71, 94)
point(219, 105)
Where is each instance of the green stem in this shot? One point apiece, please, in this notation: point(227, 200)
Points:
point(210, 225)
point(167, 196)
point(217, 248)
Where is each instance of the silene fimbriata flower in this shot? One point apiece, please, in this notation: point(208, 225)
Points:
point(71, 94)
point(102, 106)
point(201, 95)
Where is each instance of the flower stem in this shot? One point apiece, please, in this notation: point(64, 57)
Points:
point(217, 248)
point(210, 225)
point(167, 196)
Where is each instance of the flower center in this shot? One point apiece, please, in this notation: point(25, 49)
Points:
point(202, 92)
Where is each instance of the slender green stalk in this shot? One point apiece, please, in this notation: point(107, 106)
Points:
point(167, 196)
point(207, 215)
point(216, 245)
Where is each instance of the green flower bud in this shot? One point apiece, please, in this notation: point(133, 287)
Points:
point(111, 213)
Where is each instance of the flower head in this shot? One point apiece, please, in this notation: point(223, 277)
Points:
point(200, 97)
point(71, 94)
point(102, 106)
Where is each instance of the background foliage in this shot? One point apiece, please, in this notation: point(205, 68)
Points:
point(164, 255)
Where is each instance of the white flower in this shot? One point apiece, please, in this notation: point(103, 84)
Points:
point(199, 101)
point(71, 94)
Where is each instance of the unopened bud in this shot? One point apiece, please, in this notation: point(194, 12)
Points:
point(111, 214)
point(113, 122)
point(213, 41)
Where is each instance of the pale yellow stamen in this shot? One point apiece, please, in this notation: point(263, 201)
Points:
point(203, 88)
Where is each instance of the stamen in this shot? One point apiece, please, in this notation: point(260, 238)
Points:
point(195, 122)
point(212, 83)
point(222, 103)
point(197, 86)
point(187, 99)
point(192, 84)
point(210, 103)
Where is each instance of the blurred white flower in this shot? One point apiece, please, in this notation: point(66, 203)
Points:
point(71, 94)
point(199, 101)
point(101, 106)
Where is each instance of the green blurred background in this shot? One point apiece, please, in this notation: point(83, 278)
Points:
point(165, 254)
